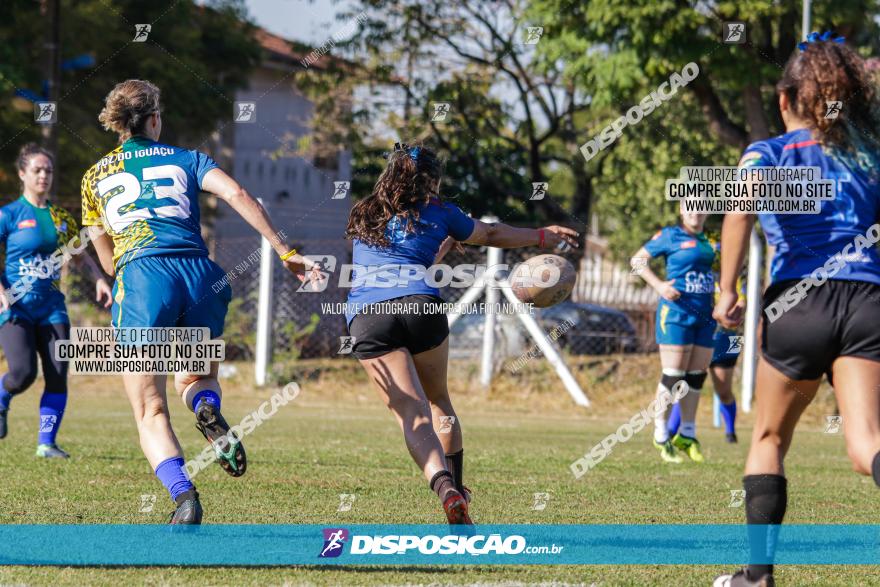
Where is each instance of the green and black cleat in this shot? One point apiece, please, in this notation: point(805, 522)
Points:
point(189, 510)
point(228, 448)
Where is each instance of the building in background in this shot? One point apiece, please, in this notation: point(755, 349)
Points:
point(298, 192)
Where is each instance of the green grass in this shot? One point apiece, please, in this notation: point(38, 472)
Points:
point(336, 438)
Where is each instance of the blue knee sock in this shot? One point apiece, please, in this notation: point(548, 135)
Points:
point(51, 411)
point(5, 396)
point(170, 473)
point(674, 419)
point(728, 412)
point(207, 396)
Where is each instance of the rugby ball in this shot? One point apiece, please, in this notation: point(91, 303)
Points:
point(544, 280)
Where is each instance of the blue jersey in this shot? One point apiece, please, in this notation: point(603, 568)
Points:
point(382, 274)
point(145, 194)
point(689, 259)
point(804, 242)
point(31, 235)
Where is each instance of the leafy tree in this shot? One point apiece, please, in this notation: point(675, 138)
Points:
point(619, 51)
point(512, 116)
point(197, 55)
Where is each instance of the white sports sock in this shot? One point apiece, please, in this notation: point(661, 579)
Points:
point(661, 434)
point(688, 429)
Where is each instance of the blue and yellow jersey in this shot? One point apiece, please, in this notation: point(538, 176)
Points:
point(689, 259)
point(31, 235)
point(145, 195)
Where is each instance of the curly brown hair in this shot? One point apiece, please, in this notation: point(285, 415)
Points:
point(128, 106)
point(411, 178)
point(828, 71)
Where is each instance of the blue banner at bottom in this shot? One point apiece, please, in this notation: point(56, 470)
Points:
point(384, 544)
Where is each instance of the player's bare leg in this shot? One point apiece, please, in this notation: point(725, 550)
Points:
point(780, 402)
point(202, 395)
point(146, 393)
point(431, 367)
point(395, 377)
point(857, 387)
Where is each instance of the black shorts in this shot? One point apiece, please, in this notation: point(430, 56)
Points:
point(415, 323)
point(835, 319)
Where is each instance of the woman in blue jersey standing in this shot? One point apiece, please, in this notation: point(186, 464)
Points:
point(33, 314)
point(400, 334)
point(684, 325)
point(832, 327)
point(727, 345)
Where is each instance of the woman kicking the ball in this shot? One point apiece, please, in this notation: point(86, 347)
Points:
point(684, 325)
point(400, 336)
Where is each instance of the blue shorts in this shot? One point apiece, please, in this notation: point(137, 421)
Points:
point(165, 291)
point(676, 326)
point(728, 345)
point(39, 309)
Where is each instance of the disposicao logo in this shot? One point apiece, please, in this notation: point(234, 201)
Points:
point(334, 542)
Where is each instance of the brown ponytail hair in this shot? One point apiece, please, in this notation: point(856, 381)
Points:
point(410, 178)
point(29, 150)
point(828, 71)
point(128, 106)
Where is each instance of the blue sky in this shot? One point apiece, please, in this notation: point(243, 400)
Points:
point(298, 20)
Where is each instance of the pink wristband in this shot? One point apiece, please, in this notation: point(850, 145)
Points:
point(540, 238)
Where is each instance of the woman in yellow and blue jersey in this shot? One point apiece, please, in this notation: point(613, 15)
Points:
point(141, 204)
point(33, 314)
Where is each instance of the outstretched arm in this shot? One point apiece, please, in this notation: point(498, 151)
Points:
point(504, 236)
point(222, 185)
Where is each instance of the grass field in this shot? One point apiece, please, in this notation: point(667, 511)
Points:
point(336, 438)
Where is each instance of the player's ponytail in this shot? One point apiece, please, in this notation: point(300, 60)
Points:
point(128, 106)
point(826, 72)
point(409, 179)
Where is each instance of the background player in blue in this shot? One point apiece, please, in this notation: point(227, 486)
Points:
point(684, 326)
point(833, 328)
point(141, 202)
point(32, 310)
point(727, 345)
point(405, 349)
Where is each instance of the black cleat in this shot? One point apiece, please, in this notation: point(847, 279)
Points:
point(731, 438)
point(189, 510)
point(740, 579)
point(3, 414)
point(229, 450)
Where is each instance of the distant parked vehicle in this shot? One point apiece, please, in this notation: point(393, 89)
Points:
point(584, 329)
point(466, 337)
point(588, 329)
